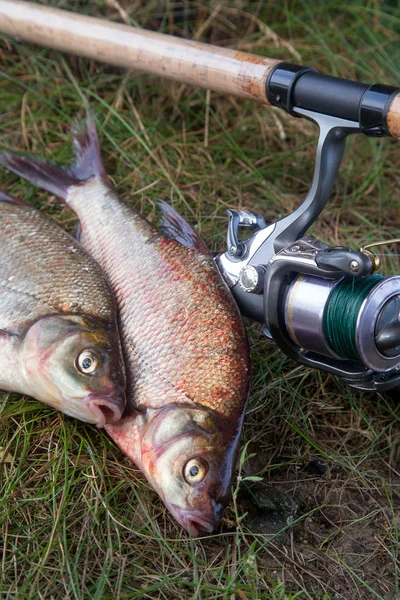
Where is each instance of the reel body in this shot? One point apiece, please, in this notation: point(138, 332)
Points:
point(324, 306)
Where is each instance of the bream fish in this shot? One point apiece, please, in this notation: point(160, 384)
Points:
point(59, 340)
point(185, 346)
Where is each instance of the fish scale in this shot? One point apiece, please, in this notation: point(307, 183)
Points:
point(56, 307)
point(185, 347)
point(149, 318)
point(30, 245)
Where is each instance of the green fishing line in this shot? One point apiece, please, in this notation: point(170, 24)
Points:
point(341, 312)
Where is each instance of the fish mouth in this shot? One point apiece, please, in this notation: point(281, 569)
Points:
point(105, 409)
point(195, 526)
point(193, 521)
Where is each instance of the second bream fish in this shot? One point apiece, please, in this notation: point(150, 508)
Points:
point(185, 347)
point(59, 340)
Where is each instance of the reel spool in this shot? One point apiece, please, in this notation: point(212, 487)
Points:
point(350, 318)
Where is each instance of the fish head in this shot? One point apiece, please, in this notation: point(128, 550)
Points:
point(190, 461)
point(75, 364)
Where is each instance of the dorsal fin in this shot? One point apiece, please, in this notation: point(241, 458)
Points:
point(175, 228)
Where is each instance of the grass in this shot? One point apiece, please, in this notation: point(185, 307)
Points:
point(77, 520)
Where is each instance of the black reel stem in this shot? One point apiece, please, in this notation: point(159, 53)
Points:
point(260, 247)
point(331, 144)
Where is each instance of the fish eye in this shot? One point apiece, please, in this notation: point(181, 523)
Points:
point(88, 362)
point(195, 470)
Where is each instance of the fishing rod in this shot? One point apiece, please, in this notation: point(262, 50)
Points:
point(325, 306)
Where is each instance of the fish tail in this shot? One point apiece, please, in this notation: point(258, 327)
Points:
point(86, 145)
point(56, 179)
point(42, 174)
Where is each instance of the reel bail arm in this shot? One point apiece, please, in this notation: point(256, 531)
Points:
point(265, 241)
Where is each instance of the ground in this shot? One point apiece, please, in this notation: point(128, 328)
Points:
point(77, 519)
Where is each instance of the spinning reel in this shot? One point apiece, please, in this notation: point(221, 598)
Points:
point(324, 306)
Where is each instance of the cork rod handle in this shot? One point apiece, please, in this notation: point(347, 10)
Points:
point(218, 69)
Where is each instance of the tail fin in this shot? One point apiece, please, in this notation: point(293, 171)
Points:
point(53, 178)
point(42, 174)
point(87, 151)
